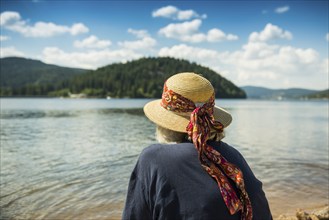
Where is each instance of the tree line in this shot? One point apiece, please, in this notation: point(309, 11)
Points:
point(141, 78)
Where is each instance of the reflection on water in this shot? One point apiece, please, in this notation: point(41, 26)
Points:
point(68, 162)
point(286, 144)
point(28, 114)
point(71, 159)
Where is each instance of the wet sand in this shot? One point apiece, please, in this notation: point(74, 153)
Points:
point(287, 203)
point(279, 212)
point(110, 211)
point(290, 208)
point(113, 211)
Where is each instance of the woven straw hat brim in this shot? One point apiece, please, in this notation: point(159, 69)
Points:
point(173, 121)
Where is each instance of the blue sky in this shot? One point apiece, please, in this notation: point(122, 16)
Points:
point(276, 44)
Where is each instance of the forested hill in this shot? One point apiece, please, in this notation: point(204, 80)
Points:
point(254, 92)
point(18, 72)
point(141, 78)
point(144, 78)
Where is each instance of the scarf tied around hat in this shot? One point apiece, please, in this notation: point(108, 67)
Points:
point(202, 122)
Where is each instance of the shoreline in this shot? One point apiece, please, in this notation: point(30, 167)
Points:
point(308, 213)
point(320, 212)
point(288, 205)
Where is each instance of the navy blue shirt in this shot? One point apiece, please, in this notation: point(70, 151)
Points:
point(168, 182)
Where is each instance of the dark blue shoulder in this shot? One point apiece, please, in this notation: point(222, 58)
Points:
point(151, 151)
point(164, 153)
point(151, 154)
point(155, 150)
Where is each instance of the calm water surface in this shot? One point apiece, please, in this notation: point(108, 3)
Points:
point(71, 159)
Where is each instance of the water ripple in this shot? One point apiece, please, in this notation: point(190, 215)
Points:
point(63, 159)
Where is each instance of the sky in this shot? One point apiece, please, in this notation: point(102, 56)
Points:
point(274, 44)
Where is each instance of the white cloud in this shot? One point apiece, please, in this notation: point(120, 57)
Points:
point(4, 38)
point(176, 14)
point(215, 35)
point(182, 31)
point(270, 32)
point(88, 60)
point(145, 42)
point(138, 33)
point(260, 63)
point(92, 42)
point(197, 54)
point(186, 15)
point(78, 28)
point(282, 9)
point(327, 37)
point(188, 31)
point(12, 21)
point(166, 12)
point(9, 18)
point(10, 52)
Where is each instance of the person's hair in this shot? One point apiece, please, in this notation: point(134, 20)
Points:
point(166, 136)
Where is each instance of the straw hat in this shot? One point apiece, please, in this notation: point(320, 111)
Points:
point(192, 86)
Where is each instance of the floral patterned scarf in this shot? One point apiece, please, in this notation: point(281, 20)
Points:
point(201, 123)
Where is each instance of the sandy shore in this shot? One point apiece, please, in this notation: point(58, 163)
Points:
point(321, 213)
point(287, 204)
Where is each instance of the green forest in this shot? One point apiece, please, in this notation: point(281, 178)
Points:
point(141, 78)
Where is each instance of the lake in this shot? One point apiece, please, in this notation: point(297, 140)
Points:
point(72, 158)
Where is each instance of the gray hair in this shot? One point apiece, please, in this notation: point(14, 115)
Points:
point(166, 136)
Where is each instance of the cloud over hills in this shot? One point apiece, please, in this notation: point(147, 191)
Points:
point(259, 61)
point(267, 56)
point(174, 13)
point(188, 31)
point(144, 42)
point(270, 32)
point(92, 42)
point(12, 21)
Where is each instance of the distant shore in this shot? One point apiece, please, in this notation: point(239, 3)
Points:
point(84, 96)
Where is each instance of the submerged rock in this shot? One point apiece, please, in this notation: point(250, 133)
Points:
point(283, 217)
point(322, 214)
point(319, 214)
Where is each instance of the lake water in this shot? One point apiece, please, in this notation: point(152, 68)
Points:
point(71, 159)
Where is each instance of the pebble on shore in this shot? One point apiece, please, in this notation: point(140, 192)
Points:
point(319, 214)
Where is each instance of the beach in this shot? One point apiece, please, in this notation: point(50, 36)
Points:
point(319, 213)
point(287, 209)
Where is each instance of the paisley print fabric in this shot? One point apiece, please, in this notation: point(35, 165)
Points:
point(201, 123)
